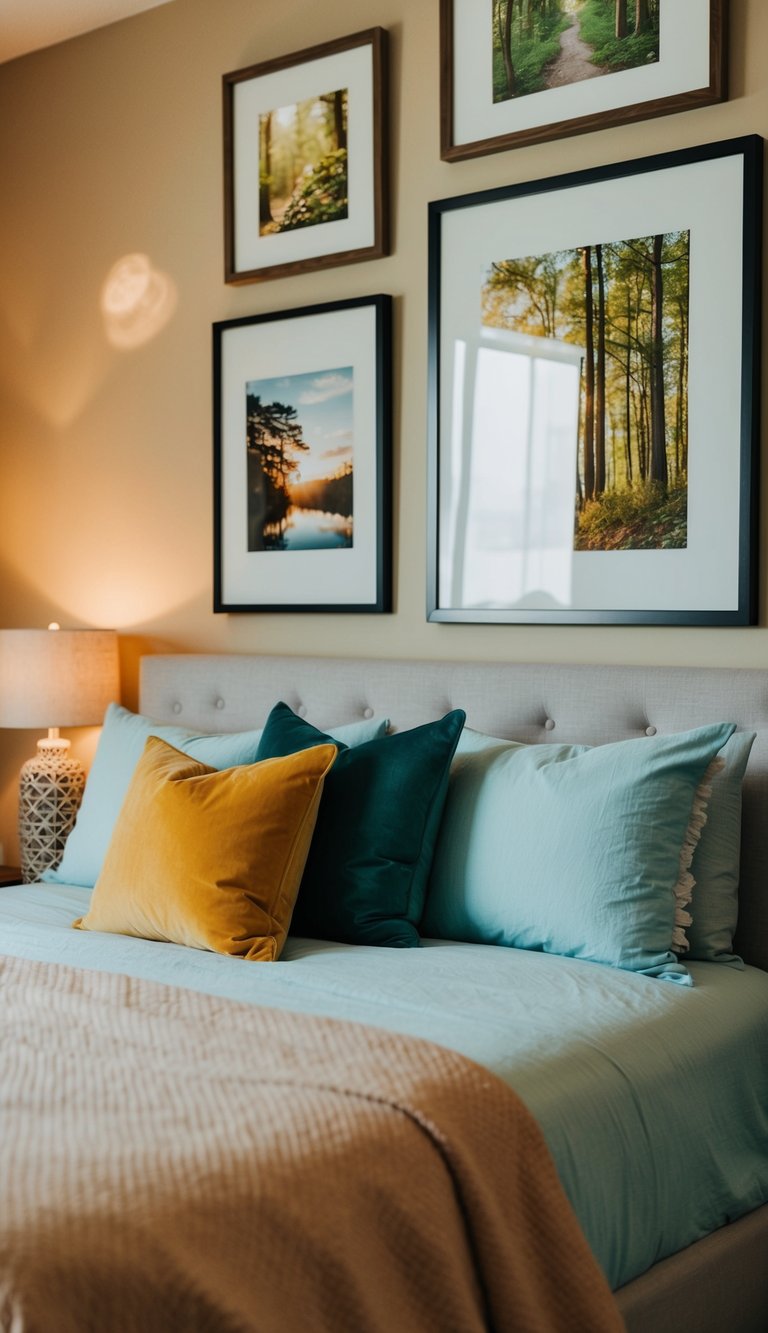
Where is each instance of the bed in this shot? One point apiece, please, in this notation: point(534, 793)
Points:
point(651, 1126)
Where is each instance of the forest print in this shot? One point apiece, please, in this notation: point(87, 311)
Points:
point(541, 44)
point(299, 452)
point(303, 163)
point(625, 305)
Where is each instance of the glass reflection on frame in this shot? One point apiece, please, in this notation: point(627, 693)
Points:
point(509, 494)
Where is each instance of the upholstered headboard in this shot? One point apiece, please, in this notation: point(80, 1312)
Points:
point(590, 704)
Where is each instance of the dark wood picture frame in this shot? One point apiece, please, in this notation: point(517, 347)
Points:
point(338, 352)
point(454, 146)
point(357, 64)
point(711, 577)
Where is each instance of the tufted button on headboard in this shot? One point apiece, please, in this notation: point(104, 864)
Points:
point(588, 704)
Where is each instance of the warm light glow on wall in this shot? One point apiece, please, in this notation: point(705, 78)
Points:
point(134, 597)
point(137, 301)
point(130, 588)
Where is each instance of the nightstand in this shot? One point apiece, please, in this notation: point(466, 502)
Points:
point(10, 875)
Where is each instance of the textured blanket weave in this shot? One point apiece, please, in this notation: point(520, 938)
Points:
point(174, 1162)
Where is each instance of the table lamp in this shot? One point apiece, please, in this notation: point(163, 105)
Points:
point(53, 678)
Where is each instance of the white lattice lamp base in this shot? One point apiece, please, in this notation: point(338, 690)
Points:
point(50, 791)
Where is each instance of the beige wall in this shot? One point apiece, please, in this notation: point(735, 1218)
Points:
point(111, 144)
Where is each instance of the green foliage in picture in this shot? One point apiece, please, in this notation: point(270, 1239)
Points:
point(642, 517)
point(321, 196)
point(526, 40)
point(303, 163)
point(639, 45)
point(543, 44)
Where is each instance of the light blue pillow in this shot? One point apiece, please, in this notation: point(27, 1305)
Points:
point(715, 869)
point(120, 747)
point(569, 849)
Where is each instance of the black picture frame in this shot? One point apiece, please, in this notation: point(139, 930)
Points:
point(478, 540)
point(309, 385)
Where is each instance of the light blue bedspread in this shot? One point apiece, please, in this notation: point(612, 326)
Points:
point(653, 1098)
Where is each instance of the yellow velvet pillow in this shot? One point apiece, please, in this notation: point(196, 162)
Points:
point(212, 859)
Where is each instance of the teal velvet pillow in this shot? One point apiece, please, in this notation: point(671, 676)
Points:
point(715, 869)
point(570, 849)
point(367, 870)
point(120, 747)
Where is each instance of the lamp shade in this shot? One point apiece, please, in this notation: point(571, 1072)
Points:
point(57, 677)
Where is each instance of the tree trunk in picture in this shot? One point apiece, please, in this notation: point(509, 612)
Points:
point(637, 417)
point(340, 128)
point(679, 394)
point(641, 423)
point(265, 172)
point(683, 386)
point(589, 379)
point(506, 48)
point(611, 467)
point(579, 487)
point(628, 427)
point(641, 15)
point(498, 7)
point(257, 506)
point(658, 422)
point(628, 391)
point(621, 19)
point(600, 381)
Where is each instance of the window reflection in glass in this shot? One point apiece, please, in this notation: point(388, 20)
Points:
point(508, 494)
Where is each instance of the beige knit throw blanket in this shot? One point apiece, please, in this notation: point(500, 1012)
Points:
point(179, 1163)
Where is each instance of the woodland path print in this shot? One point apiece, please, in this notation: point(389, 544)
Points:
point(540, 45)
point(574, 62)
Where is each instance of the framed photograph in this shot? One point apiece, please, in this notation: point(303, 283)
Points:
point(594, 383)
point(302, 459)
point(305, 160)
point(516, 72)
